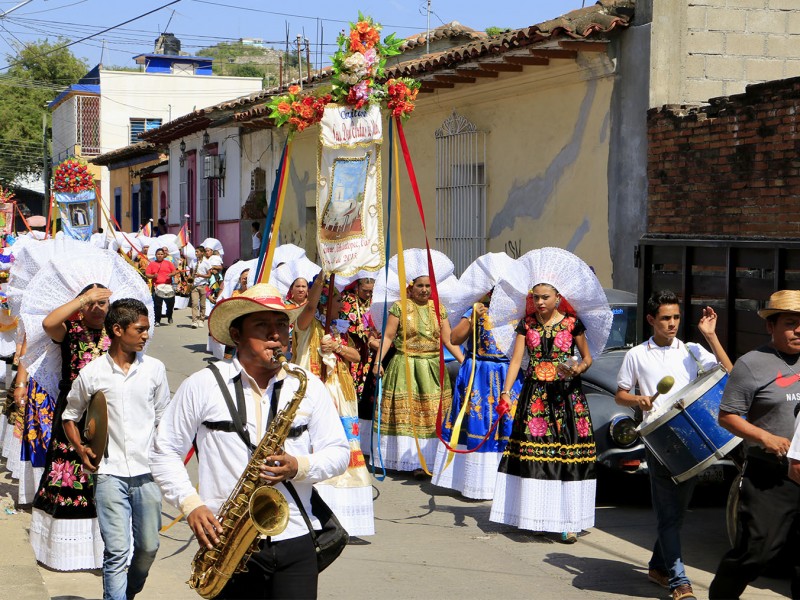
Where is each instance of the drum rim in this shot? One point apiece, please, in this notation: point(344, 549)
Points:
point(708, 461)
point(713, 377)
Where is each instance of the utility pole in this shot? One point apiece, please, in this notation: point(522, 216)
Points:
point(45, 164)
point(428, 34)
point(299, 60)
point(308, 60)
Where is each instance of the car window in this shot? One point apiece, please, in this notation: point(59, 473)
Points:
point(623, 327)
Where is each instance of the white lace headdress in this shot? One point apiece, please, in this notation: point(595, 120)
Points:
point(73, 266)
point(574, 280)
point(385, 293)
point(477, 280)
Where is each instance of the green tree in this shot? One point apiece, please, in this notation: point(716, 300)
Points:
point(496, 30)
point(36, 75)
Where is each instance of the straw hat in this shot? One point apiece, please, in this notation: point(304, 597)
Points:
point(263, 296)
point(782, 301)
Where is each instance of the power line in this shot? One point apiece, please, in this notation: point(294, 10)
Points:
point(281, 14)
point(83, 39)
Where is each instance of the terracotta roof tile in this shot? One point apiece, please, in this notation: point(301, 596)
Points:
point(589, 24)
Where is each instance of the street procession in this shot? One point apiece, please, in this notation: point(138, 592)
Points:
point(406, 310)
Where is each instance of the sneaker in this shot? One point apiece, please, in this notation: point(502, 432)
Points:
point(683, 592)
point(659, 577)
point(169, 321)
point(195, 325)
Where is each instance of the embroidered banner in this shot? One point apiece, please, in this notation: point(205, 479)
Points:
point(77, 213)
point(349, 212)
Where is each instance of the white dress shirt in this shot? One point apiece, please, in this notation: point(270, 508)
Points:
point(136, 400)
point(646, 364)
point(201, 274)
point(223, 456)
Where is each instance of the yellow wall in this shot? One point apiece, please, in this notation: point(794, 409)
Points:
point(546, 157)
point(121, 178)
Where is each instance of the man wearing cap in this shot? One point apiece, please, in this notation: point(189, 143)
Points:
point(257, 324)
point(759, 404)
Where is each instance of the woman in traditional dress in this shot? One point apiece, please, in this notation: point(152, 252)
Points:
point(408, 408)
point(64, 532)
point(328, 356)
point(487, 413)
point(546, 479)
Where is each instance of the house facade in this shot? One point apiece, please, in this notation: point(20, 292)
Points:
point(108, 110)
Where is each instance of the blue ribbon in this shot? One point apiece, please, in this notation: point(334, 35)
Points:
point(266, 237)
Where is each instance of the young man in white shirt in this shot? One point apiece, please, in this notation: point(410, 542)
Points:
point(199, 281)
point(644, 366)
point(257, 324)
point(136, 391)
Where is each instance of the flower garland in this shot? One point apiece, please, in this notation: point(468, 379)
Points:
point(359, 62)
point(296, 109)
point(72, 176)
point(357, 67)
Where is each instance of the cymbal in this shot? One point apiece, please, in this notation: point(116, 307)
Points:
point(95, 429)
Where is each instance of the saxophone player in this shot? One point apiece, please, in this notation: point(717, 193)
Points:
point(257, 324)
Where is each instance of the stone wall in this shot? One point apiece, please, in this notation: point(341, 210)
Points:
point(731, 168)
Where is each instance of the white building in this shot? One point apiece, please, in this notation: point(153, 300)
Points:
point(108, 110)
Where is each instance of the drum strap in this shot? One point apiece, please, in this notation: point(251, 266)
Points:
point(700, 369)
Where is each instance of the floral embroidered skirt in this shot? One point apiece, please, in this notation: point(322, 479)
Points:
point(38, 424)
point(66, 491)
point(546, 478)
point(474, 474)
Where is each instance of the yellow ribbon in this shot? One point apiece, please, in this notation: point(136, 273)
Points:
point(456, 433)
point(278, 215)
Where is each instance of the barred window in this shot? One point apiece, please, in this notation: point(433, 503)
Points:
point(140, 126)
point(460, 191)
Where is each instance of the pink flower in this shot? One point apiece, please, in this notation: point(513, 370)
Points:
point(582, 426)
point(537, 426)
point(67, 477)
point(370, 57)
point(57, 471)
point(87, 356)
point(532, 338)
point(564, 340)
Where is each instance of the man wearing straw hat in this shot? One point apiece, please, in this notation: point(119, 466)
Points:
point(257, 324)
point(759, 405)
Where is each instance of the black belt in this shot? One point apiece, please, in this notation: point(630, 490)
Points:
point(230, 427)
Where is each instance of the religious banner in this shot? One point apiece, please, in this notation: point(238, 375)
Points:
point(7, 208)
point(73, 190)
point(349, 211)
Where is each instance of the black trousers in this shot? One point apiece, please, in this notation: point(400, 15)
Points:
point(285, 569)
point(769, 508)
point(158, 303)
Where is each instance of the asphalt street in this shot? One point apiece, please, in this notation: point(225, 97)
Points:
point(429, 542)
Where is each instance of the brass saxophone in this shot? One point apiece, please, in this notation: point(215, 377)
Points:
point(252, 508)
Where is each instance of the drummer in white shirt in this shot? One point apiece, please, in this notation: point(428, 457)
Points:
point(257, 323)
point(644, 366)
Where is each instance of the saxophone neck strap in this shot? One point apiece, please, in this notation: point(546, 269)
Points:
point(238, 413)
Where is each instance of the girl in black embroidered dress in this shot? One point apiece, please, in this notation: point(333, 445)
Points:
point(546, 479)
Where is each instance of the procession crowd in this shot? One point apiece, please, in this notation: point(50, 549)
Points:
point(368, 386)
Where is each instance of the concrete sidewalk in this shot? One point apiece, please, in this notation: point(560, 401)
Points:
point(20, 578)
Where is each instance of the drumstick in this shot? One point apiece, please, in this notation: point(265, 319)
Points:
point(663, 387)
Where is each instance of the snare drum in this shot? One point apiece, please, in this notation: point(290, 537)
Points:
point(687, 438)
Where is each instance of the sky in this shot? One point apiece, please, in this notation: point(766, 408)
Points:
point(202, 23)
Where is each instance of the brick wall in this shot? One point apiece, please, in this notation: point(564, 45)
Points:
point(733, 42)
point(731, 168)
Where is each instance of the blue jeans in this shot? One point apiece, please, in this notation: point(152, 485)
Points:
point(126, 504)
point(670, 501)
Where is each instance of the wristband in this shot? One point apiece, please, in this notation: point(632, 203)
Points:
point(506, 392)
point(20, 385)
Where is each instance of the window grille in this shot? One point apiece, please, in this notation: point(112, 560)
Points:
point(138, 126)
point(460, 191)
point(87, 118)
